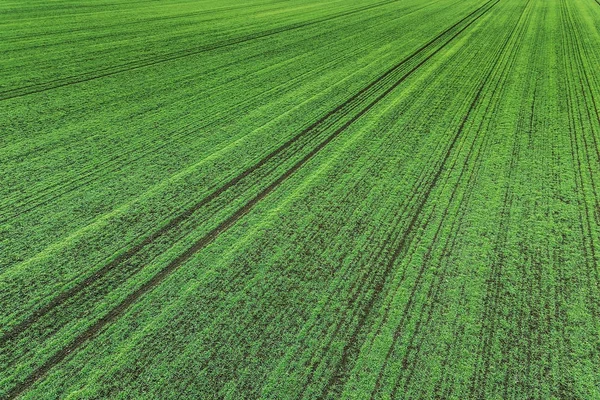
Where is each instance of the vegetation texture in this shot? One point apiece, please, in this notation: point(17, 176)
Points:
point(393, 199)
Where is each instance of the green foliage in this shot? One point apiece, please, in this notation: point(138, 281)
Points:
point(365, 199)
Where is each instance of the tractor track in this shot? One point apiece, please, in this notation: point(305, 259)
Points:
point(472, 107)
point(117, 311)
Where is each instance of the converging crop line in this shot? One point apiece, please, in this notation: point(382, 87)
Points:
point(433, 290)
point(334, 379)
point(477, 387)
point(56, 190)
point(411, 225)
point(143, 21)
point(472, 107)
point(580, 150)
point(113, 314)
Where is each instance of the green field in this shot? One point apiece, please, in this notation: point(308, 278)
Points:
point(285, 199)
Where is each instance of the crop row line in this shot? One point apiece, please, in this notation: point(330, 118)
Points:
point(357, 289)
point(493, 285)
point(177, 220)
point(379, 286)
point(580, 146)
point(175, 223)
point(568, 387)
point(59, 189)
point(435, 287)
point(141, 21)
point(476, 101)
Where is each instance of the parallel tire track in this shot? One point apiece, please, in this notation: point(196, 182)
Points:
point(117, 311)
point(176, 221)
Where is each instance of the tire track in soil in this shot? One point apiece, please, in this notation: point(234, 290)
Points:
point(179, 219)
point(174, 223)
point(113, 314)
point(308, 239)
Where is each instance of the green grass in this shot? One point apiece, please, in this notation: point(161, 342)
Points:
point(387, 199)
